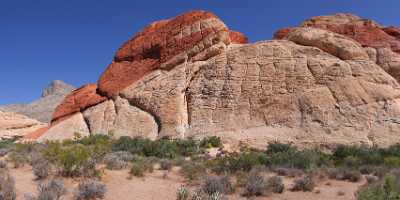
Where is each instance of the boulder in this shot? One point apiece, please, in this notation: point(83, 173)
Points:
point(77, 101)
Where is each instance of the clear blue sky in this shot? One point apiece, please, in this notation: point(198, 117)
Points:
point(74, 40)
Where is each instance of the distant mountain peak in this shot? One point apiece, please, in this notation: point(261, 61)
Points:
point(57, 87)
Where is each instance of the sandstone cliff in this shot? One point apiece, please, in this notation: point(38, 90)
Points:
point(192, 76)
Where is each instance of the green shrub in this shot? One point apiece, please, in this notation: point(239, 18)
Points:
point(364, 155)
point(70, 160)
point(276, 147)
point(211, 142)
point(193, 170)
point(392, 161)
point(387, 189)
point(19, 159)
point(234, 162)
point(305, 159)
point(137, 169)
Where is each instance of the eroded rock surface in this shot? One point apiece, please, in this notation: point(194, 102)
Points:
point(190, 77)
point(13, 124)
point(367, 33)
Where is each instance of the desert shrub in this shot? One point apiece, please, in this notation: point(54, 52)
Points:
point(188, 147)
point(275, 184)
point(344, 174)
point(211, 142)
point(255, 185)
point(7, 186)
point(387, 189)
point(141, 165)
point(165, 164)
point(99, 145)
point(182, 193)
point(89, 190)
point(18, 159)
point(276, 147)
point(137, 169)
point(145, 147)
point(292, 158)
point(70, 159)
point(3, 152)
point(305, 184)
point(52, 190)
point(290, 172)
point(193, 170)
point(220, 184)
point(6, 143)
point(117, 160)
point(41, 169)
point(362, 154)
point(234, 162)
point(3, 164)
point(392, 161)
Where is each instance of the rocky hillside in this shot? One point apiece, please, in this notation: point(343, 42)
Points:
point(42, 109)
point(333, 80)
point(12, 124)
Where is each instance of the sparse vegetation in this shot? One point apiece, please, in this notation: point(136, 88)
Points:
point(90, 190)
point(7, 186)
point(52, 190)
point(256, 185)
point(305, 184)
point(248, 167)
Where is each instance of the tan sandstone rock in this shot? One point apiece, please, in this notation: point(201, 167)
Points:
point(316, 88)
point(12, 124)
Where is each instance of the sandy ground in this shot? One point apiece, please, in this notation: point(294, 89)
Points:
point(155, 186)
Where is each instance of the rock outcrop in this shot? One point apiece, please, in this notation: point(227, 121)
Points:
point(16, 125)
point(42, 109)
point(366, 32)
point(191, 76)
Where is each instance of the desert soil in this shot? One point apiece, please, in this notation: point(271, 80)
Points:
point(155, 186)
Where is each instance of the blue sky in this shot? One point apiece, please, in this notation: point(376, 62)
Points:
point(75, 40)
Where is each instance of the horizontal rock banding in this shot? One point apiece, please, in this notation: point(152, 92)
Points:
point(366, 32)
point(159, 42)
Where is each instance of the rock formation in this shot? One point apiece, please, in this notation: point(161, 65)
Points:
point(12, 124)
point(382, 43)
point(42, 109)
point(190, 76)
